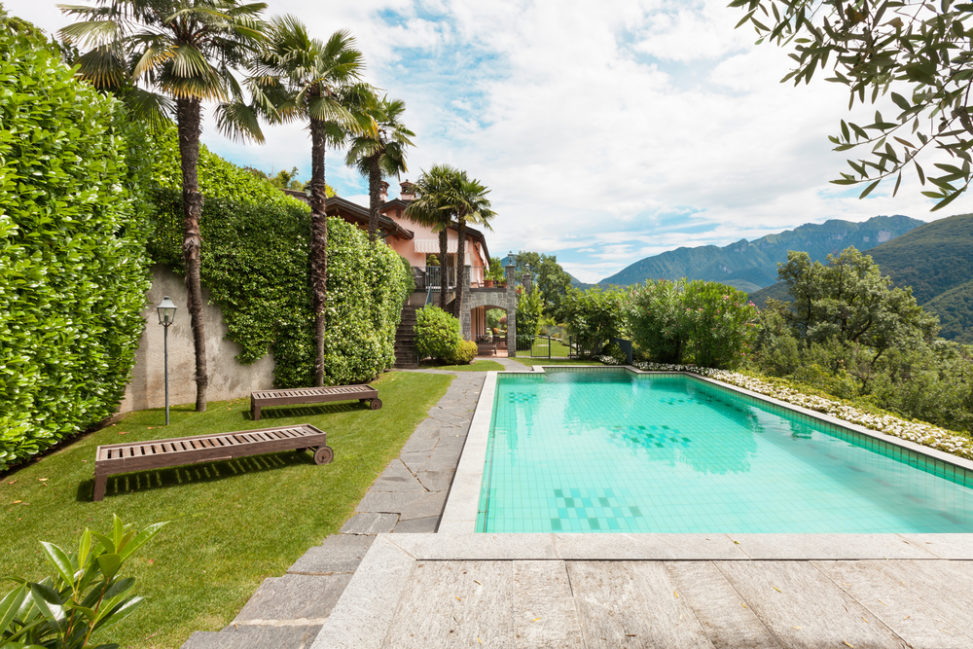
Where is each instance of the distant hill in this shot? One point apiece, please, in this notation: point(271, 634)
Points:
point(751, 265)
point(936, 260)
point(577, 283)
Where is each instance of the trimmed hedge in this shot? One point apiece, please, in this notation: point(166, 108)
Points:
point(73, 271)
point(255, 265)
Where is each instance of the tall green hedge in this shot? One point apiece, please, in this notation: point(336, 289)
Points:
point(72, 254)
point(255, 264)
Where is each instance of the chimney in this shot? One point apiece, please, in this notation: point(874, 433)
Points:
point(383, 191)
point(407, 191)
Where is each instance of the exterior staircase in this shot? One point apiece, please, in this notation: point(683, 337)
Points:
point(405, 339)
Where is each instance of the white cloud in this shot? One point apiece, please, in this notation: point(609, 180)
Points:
point(595, 124)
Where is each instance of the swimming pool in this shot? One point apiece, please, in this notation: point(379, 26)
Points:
point(614, 451)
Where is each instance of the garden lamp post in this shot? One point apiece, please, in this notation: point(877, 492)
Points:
point(167, 313)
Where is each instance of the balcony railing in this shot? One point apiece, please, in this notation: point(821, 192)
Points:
point(431, 277)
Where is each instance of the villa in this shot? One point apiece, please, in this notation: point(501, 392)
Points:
point(419, 245)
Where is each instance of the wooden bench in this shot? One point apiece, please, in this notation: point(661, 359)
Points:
point(156, 454)
point(265, 398)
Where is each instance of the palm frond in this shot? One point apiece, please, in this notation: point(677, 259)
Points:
point(153, 109)
point(239, 121)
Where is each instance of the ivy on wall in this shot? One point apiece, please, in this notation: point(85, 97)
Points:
point(255, 265)
point(72, 253)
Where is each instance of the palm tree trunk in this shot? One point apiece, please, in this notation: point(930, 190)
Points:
point(319, 246)
point(443, 267)
point(374, 180)
point(188, 120)
point(461, 267)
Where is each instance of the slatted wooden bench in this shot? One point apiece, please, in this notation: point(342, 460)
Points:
point(140, 456)
point(265, 398)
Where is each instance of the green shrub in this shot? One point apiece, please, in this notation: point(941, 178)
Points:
point(707, 323)
point(530, 309)
point(85, 596)
point(255, 263)
point(437, 334)
point(594, 316)
point(657, 320)
point(72, 252)
point(463, 353)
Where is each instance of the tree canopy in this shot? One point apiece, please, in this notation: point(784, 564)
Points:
point(917, 52)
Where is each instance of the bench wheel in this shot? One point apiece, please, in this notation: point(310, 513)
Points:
point(323, 455)
point(375, 404)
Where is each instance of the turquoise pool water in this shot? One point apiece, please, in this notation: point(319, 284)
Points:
point(612, 451)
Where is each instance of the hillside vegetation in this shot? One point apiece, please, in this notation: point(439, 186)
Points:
point(750, 265)
point(936, 260)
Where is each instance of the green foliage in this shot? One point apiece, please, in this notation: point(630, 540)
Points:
point(850, 300)
point(918, 53)
point(256, 267)
point(530, 308)
point(707, 323)
point(547, 275)
point(720, 323)
point(437, 334)
point(935, 260)
point(849, 333)
point(85, 596)
point(73, 270)
point(594, 316)
point(463, 353)
point(495, 271)
point(493, 317)
point(656, 318)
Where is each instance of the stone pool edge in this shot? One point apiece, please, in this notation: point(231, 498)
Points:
point(462, 505)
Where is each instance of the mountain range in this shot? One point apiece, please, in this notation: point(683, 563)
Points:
point(936, 260)
point(752, 265)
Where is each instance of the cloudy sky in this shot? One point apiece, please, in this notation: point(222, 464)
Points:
point(607, 131)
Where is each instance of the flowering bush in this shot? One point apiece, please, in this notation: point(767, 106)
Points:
point(913, 431)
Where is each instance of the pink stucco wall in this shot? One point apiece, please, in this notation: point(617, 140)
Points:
point(426, 239)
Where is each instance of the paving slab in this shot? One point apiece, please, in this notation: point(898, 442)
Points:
point(945, 546)
point(805, 609)
point(294, 597)
point(255, 637)
point(338, 553)
point(486, 603)
point(361, 618)
point(436, 480)
point(914, 609)
point(632, 604)
point(417, 525)
point(725, 618)
point(370, 523)
point(829, 546)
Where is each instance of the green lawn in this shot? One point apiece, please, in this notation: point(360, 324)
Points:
point(232, 524)
point(475, 366)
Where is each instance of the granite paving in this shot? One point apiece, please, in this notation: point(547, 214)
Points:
point(287, 612)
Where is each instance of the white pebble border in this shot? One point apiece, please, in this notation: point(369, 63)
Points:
point(913, 431)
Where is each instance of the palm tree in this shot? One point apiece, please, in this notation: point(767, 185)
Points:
point(189, 51)
point(380, 152)
point(434, 206)
point(472, 206)
point(309, 80)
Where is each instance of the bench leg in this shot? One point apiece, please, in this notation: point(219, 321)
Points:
point(375, 404)
point(100, 481)
point(254, 411)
